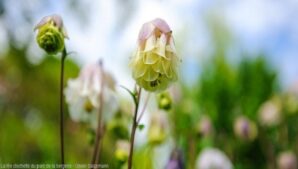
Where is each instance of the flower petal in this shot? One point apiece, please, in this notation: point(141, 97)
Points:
point(150, 75)
point(161, 45)
point(161, 25)
point(150, 43)
point(150, 58)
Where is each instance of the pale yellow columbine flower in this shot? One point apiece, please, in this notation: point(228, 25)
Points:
point(83, 96)
point(154, 64)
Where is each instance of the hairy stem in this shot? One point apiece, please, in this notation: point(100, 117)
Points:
point(98, 139)
point(64, 54)
point(134, 127)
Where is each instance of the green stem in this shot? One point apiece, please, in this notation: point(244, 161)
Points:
point(64, 54)
point(134, 127)
point(99, 133)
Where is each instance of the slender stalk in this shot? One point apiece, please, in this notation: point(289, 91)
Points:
point(64, 54)
point(133, 130)
point(96, 152)
point(144, 108)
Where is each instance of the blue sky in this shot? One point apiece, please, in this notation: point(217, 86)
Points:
point(109, 30)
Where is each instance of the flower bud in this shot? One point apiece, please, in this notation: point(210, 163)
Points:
point(51, 34)
point(287, 160)
point(155, 61)
point(245, 129)
point(164, 101)
point(122, 150)
point(157, 129)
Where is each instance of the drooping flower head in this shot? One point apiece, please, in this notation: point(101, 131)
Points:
point(155, 61)
point(51, 34)
point(83, 95)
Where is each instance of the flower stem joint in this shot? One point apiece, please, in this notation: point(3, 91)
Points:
point(51, 34)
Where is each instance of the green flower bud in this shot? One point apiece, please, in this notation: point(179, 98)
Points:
point(51, 34)
point(164, 101)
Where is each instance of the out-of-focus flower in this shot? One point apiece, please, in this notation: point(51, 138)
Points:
point(157, 130)
point(155, 61)
point(287, 160)
point(270, 112)
point(205, 127)
point(83, 95)
point(118, 128)
point(51, 34)
point(122, 150)
point(176, 93)
point(211, 158)
point(176, 160)
point(290, 103)
point(245, 128)
point(164, 101)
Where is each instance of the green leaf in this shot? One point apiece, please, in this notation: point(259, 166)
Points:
point(141, 126)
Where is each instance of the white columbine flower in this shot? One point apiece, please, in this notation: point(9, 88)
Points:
point(211, 158)
point(83, 95)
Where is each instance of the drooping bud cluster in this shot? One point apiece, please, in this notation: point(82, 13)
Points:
point(51, 34)
point(155, 61)
point(245, 129)
point(83, 95)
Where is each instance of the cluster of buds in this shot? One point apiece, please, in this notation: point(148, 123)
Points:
point(155, 61)
point(51, 34)
point(83, 95)
point(245, 129)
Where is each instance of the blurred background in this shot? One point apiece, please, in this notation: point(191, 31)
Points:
point(237, 90)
